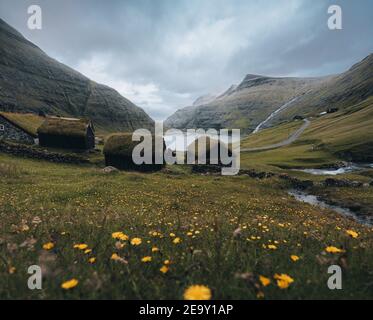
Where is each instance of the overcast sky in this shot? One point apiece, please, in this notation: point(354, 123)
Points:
point(163, 54)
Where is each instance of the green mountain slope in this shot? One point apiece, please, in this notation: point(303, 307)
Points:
point(342, 91)
point(31, 81)
point(257, 97)
point(346, 135)
point(244, 106)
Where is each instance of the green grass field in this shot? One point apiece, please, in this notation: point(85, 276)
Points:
point(271, 135)
point(224, 240)
point(234, 235)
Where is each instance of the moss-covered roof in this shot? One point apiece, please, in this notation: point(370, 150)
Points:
point(214, 146)
point(64, 127)
point(28, 122)
point(210, 144)
point(121, 144)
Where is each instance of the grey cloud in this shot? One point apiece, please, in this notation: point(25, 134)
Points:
point(163, 54)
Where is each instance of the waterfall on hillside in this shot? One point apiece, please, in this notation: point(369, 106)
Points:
point(272, 115)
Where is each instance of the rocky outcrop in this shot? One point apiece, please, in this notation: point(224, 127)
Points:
point(296, 183)
point(109, 169)
point(210, 169)
point(31, 81)
point(331, 182)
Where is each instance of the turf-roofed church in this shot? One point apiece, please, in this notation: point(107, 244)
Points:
point(70, 133)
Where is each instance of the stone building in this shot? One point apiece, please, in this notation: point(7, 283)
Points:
point(67, 133)
point(14, 131)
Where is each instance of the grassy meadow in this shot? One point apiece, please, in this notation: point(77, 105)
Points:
point(347, 135)
point(129, 235)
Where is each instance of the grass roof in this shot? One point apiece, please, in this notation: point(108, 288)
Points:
point(121, 144)
point(29, 122)
point(210, 144)
point(64, 127)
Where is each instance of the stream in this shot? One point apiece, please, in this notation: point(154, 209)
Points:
point(335, 171)
point(315, 201)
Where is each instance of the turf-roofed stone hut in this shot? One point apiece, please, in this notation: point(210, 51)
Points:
point(67, 133)
point(19, 127)
point(118, 153)
point(213, 148)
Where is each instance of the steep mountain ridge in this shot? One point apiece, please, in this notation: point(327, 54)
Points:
point(243, 106)
point(257, 97)
point(31, 81)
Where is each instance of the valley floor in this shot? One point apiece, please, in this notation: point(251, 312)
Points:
point(238, 236)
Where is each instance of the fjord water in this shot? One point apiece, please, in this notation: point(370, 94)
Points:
point(178, 141)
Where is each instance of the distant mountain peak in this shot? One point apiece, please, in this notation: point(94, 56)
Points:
point(252, 80)
point(250, 76)
point(205, 99)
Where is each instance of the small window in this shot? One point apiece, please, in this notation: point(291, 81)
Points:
point(2, 127)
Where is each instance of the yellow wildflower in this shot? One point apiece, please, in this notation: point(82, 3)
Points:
point(197, 292)
point(119, 236)
point(115, 257)
point(87, 251)
point(332, 249)
point(92, 260)
point(294, 257)
point(12, 270)
point(172, 235)
point(155, 249)
point(282, 284)
point(283, 280)
point(352, 233)
point(176, 240)
point(69, 284)
point(80, 246)
point(166, 262)
point(146, 259)
point(264, 281)
point(272, 247)
point(48, 246)
point(136, 241)
point(164, 269)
